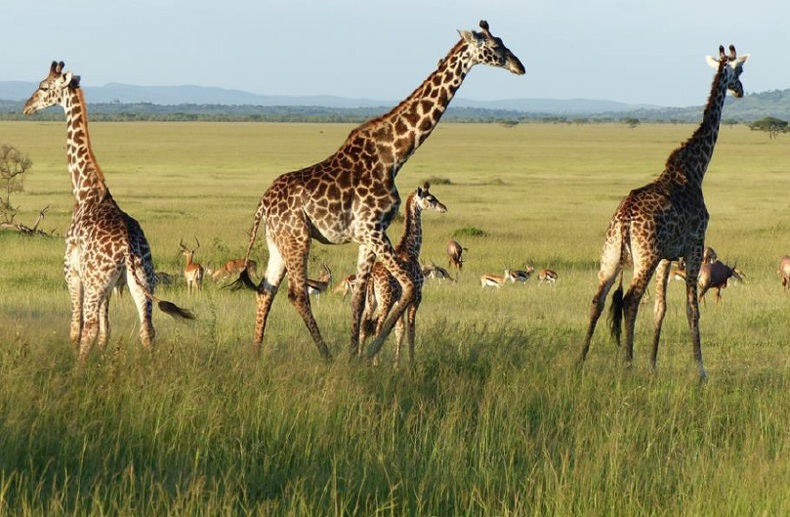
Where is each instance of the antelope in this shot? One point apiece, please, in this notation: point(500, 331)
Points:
point(455, 256)
point(345, 286)
point(434, 271)
point(193, 272)
point(488, 280)
point(316, 287)
point(709, 256)
point(784, 270)
point(715, 275)
point(712, 275)
point(232, 267)
point(520, 275)
point(547, 276)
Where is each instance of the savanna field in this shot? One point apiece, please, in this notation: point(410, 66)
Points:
point(493, 418)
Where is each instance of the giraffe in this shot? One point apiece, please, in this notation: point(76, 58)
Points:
point(104, 245)
point(663, 221)
point(351, 195)
point(384, 290)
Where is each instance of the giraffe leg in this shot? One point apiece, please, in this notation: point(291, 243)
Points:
point(365, 259)
point(411, 328)
point(143, 304)
point(631, 301)
point(90, 327)
point(76, 293)
point(692, 307)
point(401, 274)
point(296, 265)
point(660, 308)
point(390, 293)
point(104, 323)
point(267, 290)
point(400, 331)
point(610, 267)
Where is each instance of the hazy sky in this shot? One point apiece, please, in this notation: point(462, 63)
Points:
point(634, 51)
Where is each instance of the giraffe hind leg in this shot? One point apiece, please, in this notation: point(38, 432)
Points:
point(266, 291)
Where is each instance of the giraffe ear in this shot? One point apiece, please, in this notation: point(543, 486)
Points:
point(741, 60)
point(469, 37)
point(712, 61)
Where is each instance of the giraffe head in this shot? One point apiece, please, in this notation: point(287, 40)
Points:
point(488, 49)
point(732, 67)
point(51, 91)
point(424, 200)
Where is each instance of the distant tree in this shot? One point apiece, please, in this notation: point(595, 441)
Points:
point(631, 122)
point(13, 166)
point(772, 126)
point(730, 122)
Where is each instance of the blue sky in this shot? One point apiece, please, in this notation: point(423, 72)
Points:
point(634, 51)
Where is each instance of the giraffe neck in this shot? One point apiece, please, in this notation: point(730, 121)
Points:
point(391, 139)
point(411, 240)
point(692, 158)
point(87, 178)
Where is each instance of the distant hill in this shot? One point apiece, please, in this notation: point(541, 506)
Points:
point(201, 101)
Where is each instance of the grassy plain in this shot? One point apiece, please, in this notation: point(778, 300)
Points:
point(492, 420)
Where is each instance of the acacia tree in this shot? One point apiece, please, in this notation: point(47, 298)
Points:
point(14, 164)
point(772, 126)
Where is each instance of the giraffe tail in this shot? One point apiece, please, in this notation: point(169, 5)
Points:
point(616, 312)
point(244, 280)
point(169, 308)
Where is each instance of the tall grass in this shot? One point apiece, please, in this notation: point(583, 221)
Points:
point(494, 418)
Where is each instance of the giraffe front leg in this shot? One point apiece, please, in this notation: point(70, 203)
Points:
point(76, 294)
point(90, 327)
point(408, 288)
point(104, 323)
point(365, 259)
point(660, 308)
point(692, 313)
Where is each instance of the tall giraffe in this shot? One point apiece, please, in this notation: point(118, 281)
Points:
point(384, 290)
point(103, 243)
point(663, 221)
point(351, 195)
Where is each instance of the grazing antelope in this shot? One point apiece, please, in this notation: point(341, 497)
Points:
point(316, 287)
point(716, 275)
point(345, 286)
point(385, 290)
point(784, 270)
point(193, 272)
point(434, 271)
point(520, 275)
point(547, 276)
point(455, 256)
point(488, 280)
point(233, 267)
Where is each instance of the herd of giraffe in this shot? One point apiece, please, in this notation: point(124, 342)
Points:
point(351, 197)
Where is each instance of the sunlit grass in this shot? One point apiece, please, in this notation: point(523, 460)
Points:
point(494, 419)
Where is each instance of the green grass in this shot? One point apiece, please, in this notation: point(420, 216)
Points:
point(493, 419)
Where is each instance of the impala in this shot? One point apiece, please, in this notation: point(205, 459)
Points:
point(488, 280)
point(455, 255)
point(233, 267)
point(193, 272)
point(547, 276)
point(316, 287)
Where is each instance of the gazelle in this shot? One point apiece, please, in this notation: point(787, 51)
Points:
point(233, 267)
point(434, 271)
point(316, 287)
point(784, 270)
point(345, 286)
point(488, 280)
point(455, 256)
point(520, 275)
point(547, 276)
point(193, 272)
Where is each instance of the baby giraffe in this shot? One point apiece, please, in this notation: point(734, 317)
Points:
point(384, 290)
